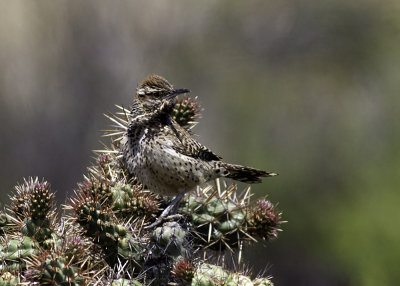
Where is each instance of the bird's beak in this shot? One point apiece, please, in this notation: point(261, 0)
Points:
point(175, 92)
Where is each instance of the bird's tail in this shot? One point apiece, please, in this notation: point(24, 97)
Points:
point(243, 174)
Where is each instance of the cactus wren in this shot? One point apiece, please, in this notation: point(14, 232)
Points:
point(163, 155)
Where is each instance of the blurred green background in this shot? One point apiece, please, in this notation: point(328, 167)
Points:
point(309, 89)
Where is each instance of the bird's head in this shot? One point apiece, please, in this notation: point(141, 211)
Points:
point(155, 91)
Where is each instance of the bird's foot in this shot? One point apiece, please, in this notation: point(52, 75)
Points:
point(161, 219)
point(172, 208)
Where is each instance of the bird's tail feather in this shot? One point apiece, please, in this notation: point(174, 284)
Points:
point(244, 174)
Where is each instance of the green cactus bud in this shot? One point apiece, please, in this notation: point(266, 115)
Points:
point(209, 275)
point(262, 282)
point(236, 279)
point(130, 248)
point(170, 238)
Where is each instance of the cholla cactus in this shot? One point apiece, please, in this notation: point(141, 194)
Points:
point(56, 268)
point(101, 238)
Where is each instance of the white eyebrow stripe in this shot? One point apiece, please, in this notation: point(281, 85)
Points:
point(141, 91)
point(147, 90)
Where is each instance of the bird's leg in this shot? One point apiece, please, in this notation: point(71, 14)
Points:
point(171, 208)
point(175, 203)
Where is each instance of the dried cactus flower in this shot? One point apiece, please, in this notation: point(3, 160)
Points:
point(264, 220)
point(184, 270)
point(186, 111)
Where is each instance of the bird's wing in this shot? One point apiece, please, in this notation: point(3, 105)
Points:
point(187, 146)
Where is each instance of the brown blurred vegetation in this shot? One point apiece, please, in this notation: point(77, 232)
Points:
point(309, 89)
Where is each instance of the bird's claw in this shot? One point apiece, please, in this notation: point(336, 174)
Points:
point(172, 208)
point(161, 219)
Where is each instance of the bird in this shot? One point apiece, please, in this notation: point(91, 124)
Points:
point(163, 156)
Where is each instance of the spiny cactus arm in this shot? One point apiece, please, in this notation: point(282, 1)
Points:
point(101, 239)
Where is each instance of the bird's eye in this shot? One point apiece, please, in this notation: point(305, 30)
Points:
point(141, 93)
